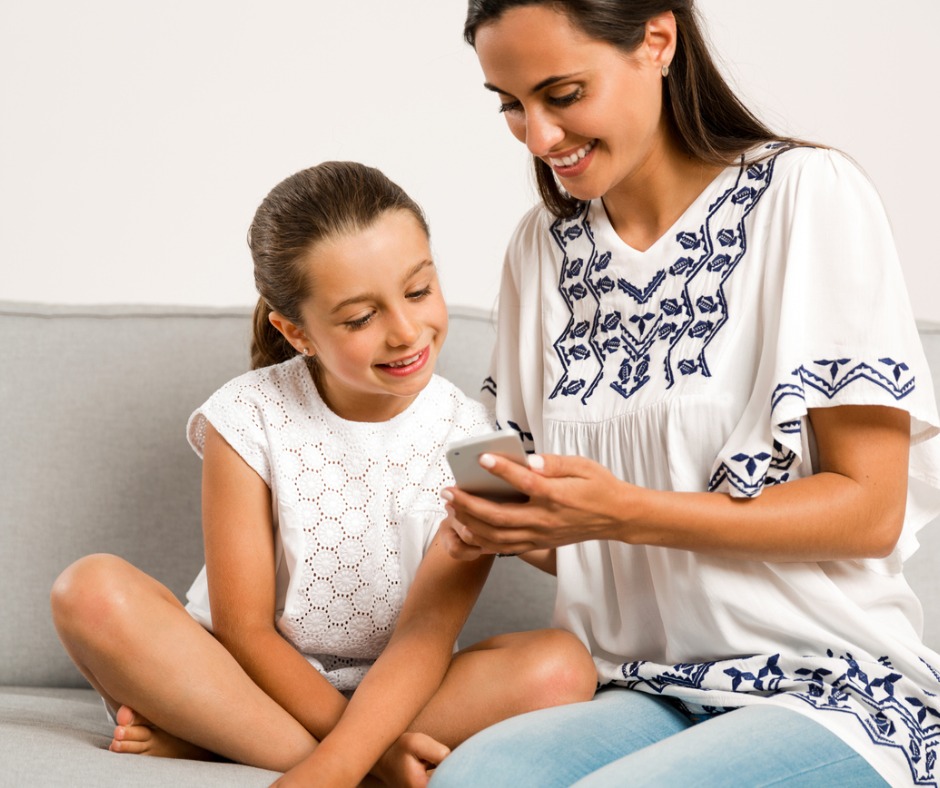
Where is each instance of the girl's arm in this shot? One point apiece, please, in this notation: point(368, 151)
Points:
point(852, 507)
point(239, 546)
point(406, 675)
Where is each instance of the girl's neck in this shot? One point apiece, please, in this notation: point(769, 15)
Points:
point(645, 205)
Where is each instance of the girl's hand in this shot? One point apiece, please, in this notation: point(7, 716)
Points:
point(571, 499)
point(408, 760)
point(453, 544)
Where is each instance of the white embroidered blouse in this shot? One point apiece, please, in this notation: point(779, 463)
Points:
point(691, 367)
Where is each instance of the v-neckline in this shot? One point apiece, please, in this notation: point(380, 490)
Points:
point(709, 193)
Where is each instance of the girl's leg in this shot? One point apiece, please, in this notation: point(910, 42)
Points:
point(504, 676)
point(753, 746)
point(137, 645)
point(559, 746)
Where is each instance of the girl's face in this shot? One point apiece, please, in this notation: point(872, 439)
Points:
point(376, 320)
point(590, 111)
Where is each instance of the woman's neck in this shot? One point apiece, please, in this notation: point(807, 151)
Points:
point(644, 206)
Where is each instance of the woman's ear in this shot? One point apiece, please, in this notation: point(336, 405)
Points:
point(292, 333)
point(661, 39)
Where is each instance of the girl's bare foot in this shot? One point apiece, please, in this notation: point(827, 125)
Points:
point(136, 735)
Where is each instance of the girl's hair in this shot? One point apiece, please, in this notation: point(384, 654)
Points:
point(709, 121)
point(334, 198)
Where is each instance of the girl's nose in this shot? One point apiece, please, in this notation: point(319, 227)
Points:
point(403, 330)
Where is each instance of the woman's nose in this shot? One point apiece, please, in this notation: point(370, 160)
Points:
point(542, 134)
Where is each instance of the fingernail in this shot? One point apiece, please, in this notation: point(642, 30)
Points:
point(447, 495)
point(536, 462)
point(487, 460)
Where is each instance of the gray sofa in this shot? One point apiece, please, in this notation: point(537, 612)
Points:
point(93, 403)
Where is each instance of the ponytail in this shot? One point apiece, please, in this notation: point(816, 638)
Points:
point(268, 345)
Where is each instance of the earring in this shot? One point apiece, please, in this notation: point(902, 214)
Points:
point(303, 350)
point(665, 71)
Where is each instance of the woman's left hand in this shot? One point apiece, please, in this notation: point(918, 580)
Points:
point(571, 499)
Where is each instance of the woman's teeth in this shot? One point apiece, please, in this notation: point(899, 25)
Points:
point(574, 158)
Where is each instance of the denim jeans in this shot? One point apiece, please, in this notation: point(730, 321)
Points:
point(624, 737)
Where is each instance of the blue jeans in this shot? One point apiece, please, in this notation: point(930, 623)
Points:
point(625, 737)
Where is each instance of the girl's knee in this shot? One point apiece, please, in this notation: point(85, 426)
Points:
point(89, 591)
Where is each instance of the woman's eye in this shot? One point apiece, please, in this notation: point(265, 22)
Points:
point(510, 106)
point(567, 99)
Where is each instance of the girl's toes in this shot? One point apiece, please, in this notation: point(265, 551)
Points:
point(127, 716)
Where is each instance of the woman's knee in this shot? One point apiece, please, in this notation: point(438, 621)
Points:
point(558, 668)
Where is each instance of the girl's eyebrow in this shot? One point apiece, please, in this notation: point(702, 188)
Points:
point(413, 271)
point(540, 86)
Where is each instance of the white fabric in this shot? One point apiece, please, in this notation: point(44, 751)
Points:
point(355, 504)
point(690, 367)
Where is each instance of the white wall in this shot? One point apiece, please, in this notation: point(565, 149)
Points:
point(136, 139)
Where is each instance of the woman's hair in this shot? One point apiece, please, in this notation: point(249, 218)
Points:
point(333, 199)
point(709, 121)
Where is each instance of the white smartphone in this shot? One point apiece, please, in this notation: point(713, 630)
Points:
point(464, 459)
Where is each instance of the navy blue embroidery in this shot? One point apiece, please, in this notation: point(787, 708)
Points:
point(830, 376)
point(879, 697)
point(624, 332)
point(750, 473)
point(747, 474)
point(489, 386)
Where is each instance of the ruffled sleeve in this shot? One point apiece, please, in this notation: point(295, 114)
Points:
point(514, 385)
point(838, 330)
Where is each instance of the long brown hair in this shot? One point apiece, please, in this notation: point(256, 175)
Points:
point(331, 199)
point(708, 120)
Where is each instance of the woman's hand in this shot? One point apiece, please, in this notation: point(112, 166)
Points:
point(408, 760)
point(571, 499)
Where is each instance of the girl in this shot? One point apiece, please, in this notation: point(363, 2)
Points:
point(706, 331)
point(332, 605)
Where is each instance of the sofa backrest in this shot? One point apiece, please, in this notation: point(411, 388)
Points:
point(93, 458)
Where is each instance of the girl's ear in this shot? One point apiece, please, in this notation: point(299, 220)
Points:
point(292, 333)
point(661, 39)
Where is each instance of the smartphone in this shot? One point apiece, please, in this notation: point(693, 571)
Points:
point(464, 459)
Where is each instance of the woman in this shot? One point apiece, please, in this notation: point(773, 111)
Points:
point(718, 317)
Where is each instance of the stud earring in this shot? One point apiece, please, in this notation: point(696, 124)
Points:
point(665, 70)
point(304, 351)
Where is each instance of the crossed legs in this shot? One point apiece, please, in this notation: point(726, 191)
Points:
point(178, 692)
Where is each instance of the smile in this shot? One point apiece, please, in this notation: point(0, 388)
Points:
point(573, 158)
point(404, 367)
point(405, 361)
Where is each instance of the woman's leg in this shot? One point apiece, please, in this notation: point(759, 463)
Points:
point(137, 645)
point(754, 746)
point(559, 746)
point(504, 676)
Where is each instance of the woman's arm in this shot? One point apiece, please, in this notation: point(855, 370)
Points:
point(405, 676)
point(239, 546)
point(852, 507)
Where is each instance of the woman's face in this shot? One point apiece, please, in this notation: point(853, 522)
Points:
point(590, 111)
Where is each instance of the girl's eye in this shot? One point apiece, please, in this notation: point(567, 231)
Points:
point(417, 295)
point(567, 99)
point(510, 106)
point(359, 322)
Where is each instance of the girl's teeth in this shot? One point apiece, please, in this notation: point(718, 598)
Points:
point(406, 362)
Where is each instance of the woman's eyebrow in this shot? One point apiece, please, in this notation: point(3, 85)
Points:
point(540, 86)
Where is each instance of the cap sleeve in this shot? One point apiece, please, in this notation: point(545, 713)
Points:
point(838, 331)
point(237, 412)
